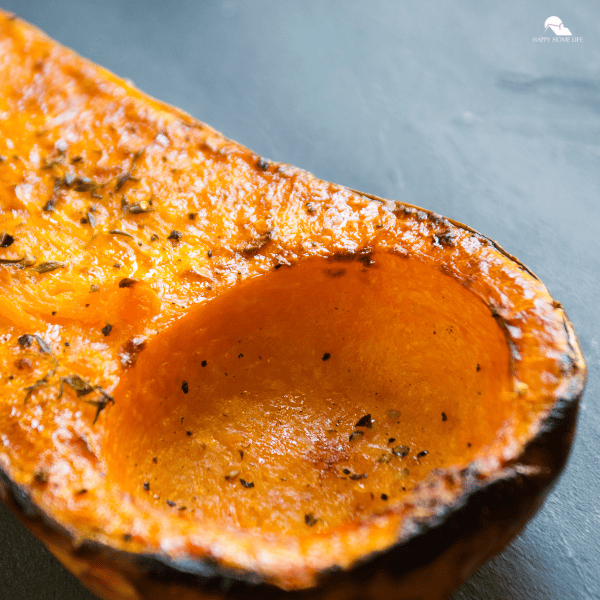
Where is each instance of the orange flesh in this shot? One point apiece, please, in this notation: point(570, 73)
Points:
point(293, 360)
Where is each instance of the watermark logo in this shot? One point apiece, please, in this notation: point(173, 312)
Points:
point(561, 32)
point(557, 26)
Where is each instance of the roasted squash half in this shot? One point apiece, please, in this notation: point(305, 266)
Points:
point(221, 376)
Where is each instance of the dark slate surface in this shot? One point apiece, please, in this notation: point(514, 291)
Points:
point(448, 105)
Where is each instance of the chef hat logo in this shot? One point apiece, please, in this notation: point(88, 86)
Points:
point(557, 26)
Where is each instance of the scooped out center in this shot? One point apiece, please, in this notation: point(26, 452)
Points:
point(312, 396)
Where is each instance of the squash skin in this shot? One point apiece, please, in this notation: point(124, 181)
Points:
point(451, 536)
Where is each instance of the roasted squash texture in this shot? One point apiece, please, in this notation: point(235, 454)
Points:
point(220, 375)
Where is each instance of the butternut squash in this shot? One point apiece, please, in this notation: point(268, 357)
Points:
point(221, 376)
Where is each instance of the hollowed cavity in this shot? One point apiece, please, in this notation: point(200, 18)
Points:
point(311, 396)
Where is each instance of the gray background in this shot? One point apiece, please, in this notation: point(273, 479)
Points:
point(448, 105)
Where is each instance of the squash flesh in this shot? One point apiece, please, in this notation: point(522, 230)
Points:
point(292, 362)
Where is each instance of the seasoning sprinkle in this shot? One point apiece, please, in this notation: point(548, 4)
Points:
point(422, 454)
point(310, 519)
point(358, 476)
point(120, 232)
point(385, 457)
point(127, 282)
point(175, 235)
point(365, 421)
point(6, 240)
point(355, 435)
point(25, 340)
point(384, 496)
point(247, 484)
point(47, 267)
point(444, 417)
point(146, 485)
point(185, 387)
point(401, 451)
point(262, 163)
point(107, 329)
point(326, 356)
point(44, 347)
point(41, 476)
point(77, 383)
point(171, 503)
point(203, 363)
point(232, 475)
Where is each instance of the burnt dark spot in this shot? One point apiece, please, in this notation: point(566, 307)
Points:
point(247, 484)
point(444, 417)
point(185, 387)
point(335, 272)
point(478, 368)
point(203, 363)
point(188, 433)
point(107, 329)
point(326, 356)
point(366, 259)
point(384, 496)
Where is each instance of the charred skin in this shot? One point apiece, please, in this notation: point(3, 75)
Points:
point(125, 154)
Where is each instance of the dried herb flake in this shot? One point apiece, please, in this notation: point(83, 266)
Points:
point(49, 266)
point(365, 421)
point(401, 451)
point(310, 519)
